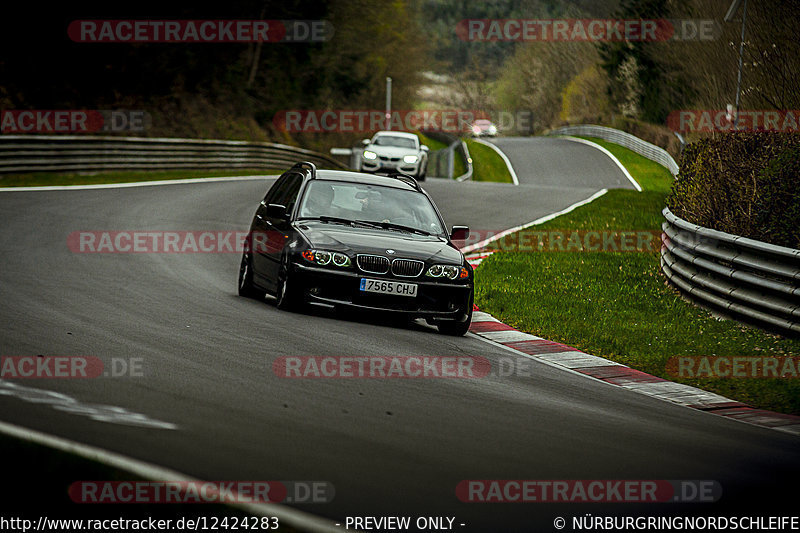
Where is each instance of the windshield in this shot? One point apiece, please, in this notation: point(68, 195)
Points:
point(370, 203)
point(393, 140)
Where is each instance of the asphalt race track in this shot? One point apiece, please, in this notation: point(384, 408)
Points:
point(388, 446)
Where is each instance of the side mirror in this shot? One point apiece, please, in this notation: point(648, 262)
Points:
point(365, 142)
point(276, 211)
point(424, 148)
point(459, 233)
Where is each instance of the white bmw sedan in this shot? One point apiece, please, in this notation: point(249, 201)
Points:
point(395, 151)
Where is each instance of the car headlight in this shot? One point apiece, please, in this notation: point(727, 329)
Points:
point(492, 130)
point(410, 159)
point(369, 154)
point(476, 130)
point(447, 271)
point(324, 257)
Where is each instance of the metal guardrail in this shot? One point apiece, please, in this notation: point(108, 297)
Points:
point(467, 161)
point(750, 278)
point(745, 277)
point(76, 153)
point(441, 163)
point(631, 142)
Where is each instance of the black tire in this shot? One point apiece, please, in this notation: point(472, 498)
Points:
point(287, 294)
point(245, 284)
point(424, 173)
point(454, 328)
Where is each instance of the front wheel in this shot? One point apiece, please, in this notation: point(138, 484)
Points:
point(455, 328)
point(246, 286)
point(288, 297)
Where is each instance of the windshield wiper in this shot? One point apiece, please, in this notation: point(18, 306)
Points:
point(326, 218)
point(391, 225)
point(370, 223)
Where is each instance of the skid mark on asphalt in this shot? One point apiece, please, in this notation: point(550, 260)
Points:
point(63, 402)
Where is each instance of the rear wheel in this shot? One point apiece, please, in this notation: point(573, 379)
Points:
point(246, 287)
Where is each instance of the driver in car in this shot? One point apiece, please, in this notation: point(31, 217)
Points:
point(320, 203)
point(397, 212)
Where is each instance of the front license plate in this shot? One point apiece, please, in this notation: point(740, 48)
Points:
point(381, 286)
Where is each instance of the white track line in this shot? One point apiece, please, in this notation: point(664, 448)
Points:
point(133, 184)
point(609, 154)
point(551, 216)
point(298, 519)
point(505, 158)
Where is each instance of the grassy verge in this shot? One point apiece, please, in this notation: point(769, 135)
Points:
point(431, 143)
point(618, 306)
point(651, 176)
point(487, 165)
point(459, 165)
point(39, 179)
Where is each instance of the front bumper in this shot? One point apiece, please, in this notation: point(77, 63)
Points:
point(379, 165)
point(434, 300)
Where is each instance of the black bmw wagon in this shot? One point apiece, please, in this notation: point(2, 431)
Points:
point(348, 240)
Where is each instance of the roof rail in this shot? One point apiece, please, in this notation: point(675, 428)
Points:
point(306, 165)
point(405, 178)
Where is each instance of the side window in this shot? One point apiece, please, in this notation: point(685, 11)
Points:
point(288, 195)
point(274, 192)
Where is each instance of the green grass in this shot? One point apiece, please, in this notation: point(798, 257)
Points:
point(432, 144)
point(487, 165)
point(459, 165)
point(39, 179)
point(651, 176)
point(618, 306)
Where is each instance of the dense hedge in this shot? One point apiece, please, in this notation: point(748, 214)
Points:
point(744, 183)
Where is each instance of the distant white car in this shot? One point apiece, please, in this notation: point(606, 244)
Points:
point(393, 151)
point(483, 128)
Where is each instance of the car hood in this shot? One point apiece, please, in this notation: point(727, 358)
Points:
point(392, 151)
point(336, 237)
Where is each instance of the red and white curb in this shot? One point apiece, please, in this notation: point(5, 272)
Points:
point(475, 259)
point(488, 327)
